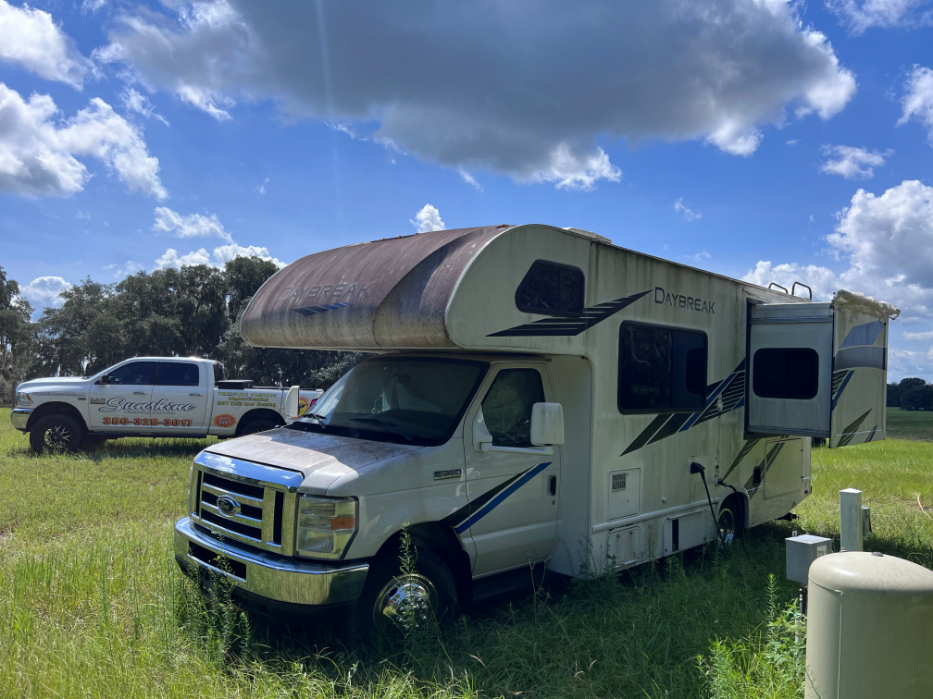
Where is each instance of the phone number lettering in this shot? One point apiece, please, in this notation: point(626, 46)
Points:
point(146, 421)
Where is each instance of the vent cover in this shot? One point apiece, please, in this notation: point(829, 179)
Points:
point(618, 481)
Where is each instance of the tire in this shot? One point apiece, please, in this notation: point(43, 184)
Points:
point(393, 601)
point(55, 434)
point(260, 425)
point(728, 524)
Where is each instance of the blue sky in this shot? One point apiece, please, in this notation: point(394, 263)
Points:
point(754, 138)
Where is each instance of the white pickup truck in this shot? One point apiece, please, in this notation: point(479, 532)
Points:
point(148, 397)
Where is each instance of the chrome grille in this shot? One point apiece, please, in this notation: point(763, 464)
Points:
point(243, 501)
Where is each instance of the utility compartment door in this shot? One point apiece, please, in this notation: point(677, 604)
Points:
point(860, 344)
point(790, 368)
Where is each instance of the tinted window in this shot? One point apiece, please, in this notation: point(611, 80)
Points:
point(179, 374)
point(218, 372)
point(134, 374)
point(507, 406)
point(786, 373)
point(552, 289)
point(661, 369)
point(399, 399)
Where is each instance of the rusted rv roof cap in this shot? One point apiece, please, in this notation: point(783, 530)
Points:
point(392, 292)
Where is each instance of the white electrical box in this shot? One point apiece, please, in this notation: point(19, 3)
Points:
point(802, 551)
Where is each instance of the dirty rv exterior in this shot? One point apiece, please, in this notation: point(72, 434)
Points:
point(540, 395)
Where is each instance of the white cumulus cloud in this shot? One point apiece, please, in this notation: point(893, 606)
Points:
point(428, 219)
point(221, 254)
point(31, 39)
point(189, 226)
point(39, 151)
point(886, 243)
point(852, 163)
point(43, 292)
point(918, 99)
point(453, 86)
point(860, 15)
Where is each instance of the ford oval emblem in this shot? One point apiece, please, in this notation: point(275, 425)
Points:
point(228, 506)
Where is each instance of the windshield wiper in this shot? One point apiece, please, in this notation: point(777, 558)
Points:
point(382, 421)
point(317, 416)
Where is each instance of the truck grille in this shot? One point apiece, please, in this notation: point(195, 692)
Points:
point(245, 509)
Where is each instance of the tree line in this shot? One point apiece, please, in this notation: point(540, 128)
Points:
point(911, 394)
point(191, 311)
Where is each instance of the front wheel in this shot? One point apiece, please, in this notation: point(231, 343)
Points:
point(56, 434)
point(396, 600)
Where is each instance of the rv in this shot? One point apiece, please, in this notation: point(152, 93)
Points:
point(538, 398)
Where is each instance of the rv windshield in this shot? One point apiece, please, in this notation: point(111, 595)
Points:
point(408, 400)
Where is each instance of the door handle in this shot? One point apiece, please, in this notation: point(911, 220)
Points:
point(552, 486)
point(139, 393)
point(196, 394)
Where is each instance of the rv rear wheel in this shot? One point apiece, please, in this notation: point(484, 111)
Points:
point(396, 600)
point(728, 524)
point(55, 434)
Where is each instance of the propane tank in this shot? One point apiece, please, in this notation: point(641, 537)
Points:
point(869, 628)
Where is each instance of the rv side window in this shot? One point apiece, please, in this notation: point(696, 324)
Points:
point(661, 369)
point(786, 373)
point(552, 289)
point(507, 406)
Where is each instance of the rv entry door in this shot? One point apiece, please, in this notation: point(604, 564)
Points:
point(819, 369)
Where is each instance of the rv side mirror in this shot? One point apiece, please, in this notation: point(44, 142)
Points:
point(291, 403)
point(482, 438)
point(547, 424)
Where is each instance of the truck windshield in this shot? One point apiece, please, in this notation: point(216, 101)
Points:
point(408, 400)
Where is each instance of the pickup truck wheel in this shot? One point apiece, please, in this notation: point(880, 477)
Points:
point(55, 434)
point(257, 426)
point(397, 601)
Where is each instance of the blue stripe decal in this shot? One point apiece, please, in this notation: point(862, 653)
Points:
point(866, 334)
point(488, 507)
point(842, 387)
point(719, 389)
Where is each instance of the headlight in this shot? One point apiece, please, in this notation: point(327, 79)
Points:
point(325, 525)
point(23, 398)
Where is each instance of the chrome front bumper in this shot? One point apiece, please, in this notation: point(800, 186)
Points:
point(19, 417)
point(267, 575)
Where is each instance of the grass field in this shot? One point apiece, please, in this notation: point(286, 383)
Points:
point(91, 603)
point(910, 424)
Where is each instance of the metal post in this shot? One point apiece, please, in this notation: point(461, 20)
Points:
point(850, 511)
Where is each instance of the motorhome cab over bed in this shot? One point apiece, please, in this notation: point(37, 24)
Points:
point(539, 397)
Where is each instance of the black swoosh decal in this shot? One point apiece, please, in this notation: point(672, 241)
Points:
point(570, 327)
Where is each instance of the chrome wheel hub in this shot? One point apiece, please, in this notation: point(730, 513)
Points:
point(57, 437)
point(407, 601)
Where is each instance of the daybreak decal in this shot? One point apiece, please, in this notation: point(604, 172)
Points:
point(570, 327)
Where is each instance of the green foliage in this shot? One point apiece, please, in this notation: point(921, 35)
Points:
point(92, 602)
point(17, 338)
point(192, 311)
point(768, 663)
point(911, 394)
